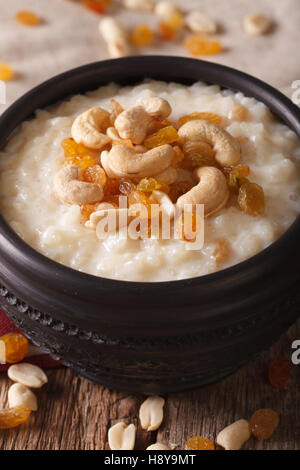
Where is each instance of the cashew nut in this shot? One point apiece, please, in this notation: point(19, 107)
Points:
point(115, 36)
point(89, 128)
point(123, 162)
point(227, 149)
point(212, 190)
point(168, 176)
point(234, 436)
point(137, 122)
point(69, 190)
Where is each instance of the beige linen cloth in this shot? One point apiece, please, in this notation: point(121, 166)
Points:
point(69, 37)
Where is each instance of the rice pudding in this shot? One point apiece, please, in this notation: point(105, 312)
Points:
point(261, 185)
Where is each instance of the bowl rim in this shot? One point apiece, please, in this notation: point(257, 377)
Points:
point(226, 77)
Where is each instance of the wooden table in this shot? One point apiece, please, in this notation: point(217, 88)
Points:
point(76, 414)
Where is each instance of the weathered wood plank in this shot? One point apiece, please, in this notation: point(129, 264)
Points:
point(76, 414)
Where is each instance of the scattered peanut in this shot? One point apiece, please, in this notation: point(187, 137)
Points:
point(158, 446)
point(143, 5)
point(20, 395)
point(257, 24)
point(234, 436)
point(165, 10)
point(70, 190)
point(200, 23)
point(27, 374)
point(151, 413)
point(115, 36)
point(121, 437)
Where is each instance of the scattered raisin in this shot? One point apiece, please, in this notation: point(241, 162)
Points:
point(199, 443)
point(263, 423)
point(178, 189)
point(14, 347)
point(148, 185)
point(141, 35)
point(166, 32)
point(27, 18)
point(251, 199)
point(200, 45)
point(222, 250)
point(12, 417)
point(97, 6)
point(95, 174)
point(166, 135)
point(279, 372)
point(6, 72)
point(212, 117)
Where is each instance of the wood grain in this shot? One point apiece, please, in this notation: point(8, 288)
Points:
point(76, 414)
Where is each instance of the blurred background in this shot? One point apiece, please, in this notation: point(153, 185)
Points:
point(67, 35)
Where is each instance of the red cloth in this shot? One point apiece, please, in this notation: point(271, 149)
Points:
point(44, 361)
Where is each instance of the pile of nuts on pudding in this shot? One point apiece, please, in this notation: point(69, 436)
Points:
point(137, 153)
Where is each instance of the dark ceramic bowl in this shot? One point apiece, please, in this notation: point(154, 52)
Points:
point(150, 337)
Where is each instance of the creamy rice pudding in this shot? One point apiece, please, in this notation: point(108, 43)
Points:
point(249, 159)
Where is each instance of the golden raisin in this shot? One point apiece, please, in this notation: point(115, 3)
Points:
point(196, 160)
point(141, 35)
point(27, 18)
point(176, 20)
point(263, 423)
point(126, 187)
point(166, 135)
point(178, 189)
point(139, 197)
point(112, 199)
point(82, 162)
point(178, 157)
point(13, 348)
point(222, 250)
point(237, 175)
point(148, 185)
point(166, 32)
point(238, 113)
point(95, 174)
point(6, 72)
point(126, 142)
point(160, 124)
point(188, 225)
point(200, 45)
point(191, 147)
point(112, 187)
point(72, 149)
point(279, 372)
point(97, 6)
point(251, 199)
point(212, 117)
point(116, 109)
point(199, 443)
point(87, 209)
point(12, 417)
